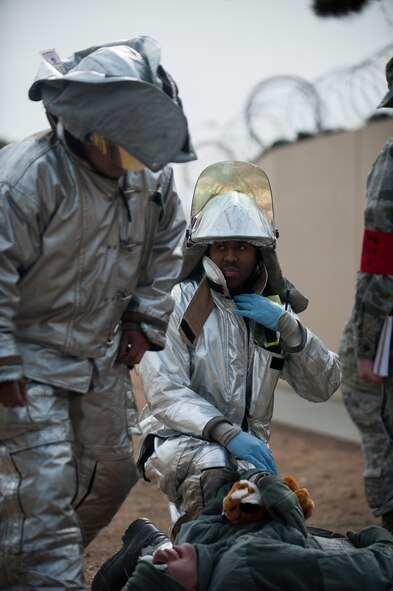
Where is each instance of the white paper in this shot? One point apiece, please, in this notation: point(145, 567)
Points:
point(52, 57)
point(381, 361)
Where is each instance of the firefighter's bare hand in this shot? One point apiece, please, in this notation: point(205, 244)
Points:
point(365, 371)
point(13, 393)
point(132, 347)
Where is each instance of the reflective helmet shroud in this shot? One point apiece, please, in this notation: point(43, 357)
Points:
point(121, 91)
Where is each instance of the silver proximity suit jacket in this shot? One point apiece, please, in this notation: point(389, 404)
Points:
point(227, 375)
point(78, 254)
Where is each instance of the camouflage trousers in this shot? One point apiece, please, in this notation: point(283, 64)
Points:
point(371, 408)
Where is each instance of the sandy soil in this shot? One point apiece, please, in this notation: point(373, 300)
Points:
point(330, 468)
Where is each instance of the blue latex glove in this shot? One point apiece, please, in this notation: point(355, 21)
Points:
point(250, 448)
point(259, 308)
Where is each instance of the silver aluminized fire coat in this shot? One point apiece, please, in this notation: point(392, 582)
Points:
point(78, 253)
point(227, 375)
point(118, 260)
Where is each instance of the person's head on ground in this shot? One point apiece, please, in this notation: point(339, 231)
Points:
point(180, 573)
point(387, 100)
point(118, 101)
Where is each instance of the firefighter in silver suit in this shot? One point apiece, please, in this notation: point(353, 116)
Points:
point(90, 223)
point(233, 333)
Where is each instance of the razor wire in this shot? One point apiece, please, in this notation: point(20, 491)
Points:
point(280, 107)
point(284, 109)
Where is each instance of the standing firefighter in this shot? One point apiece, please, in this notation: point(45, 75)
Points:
point(210, 391)
point(90, 221)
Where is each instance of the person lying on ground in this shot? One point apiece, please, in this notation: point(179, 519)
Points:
point(276, 551)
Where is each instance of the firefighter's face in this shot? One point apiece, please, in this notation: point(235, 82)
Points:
point(236, 259)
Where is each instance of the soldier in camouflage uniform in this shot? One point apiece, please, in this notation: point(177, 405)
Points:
point(367, 396)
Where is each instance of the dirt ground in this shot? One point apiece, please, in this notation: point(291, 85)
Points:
point(330, 468)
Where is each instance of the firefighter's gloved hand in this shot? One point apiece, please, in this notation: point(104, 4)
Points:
point(259, 308)
point(250, 448)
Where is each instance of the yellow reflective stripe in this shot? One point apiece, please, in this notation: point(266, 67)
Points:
point(272, 344)
point(274, 298)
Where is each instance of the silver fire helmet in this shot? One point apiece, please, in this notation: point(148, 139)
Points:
point(232, 200)
point(120, 91)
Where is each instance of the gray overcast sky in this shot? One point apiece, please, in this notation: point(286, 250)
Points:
point(217, 50)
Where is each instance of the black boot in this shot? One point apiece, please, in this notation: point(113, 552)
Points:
point(115, 572)
point(387, 521)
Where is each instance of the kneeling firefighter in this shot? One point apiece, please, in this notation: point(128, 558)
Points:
point(233, 333)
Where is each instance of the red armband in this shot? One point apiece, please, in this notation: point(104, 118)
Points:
point(377, 253)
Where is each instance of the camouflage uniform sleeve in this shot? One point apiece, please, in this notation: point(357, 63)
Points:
point(374, 293)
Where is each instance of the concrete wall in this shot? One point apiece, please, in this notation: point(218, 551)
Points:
point(318, 190)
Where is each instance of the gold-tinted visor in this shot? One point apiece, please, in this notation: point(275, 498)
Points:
point(227, 176)
point(116, 153)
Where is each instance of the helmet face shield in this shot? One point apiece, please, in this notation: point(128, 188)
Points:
point(115, 153)
point(233, 200)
